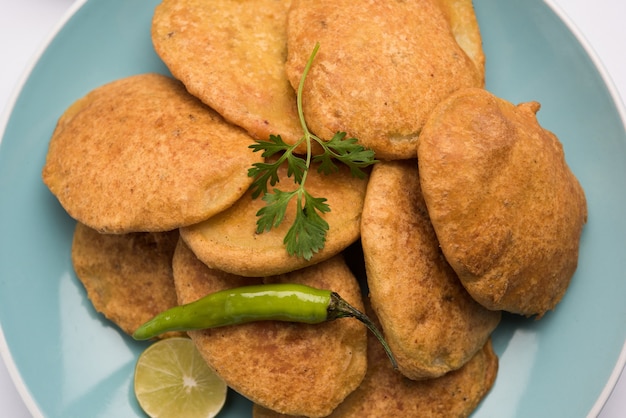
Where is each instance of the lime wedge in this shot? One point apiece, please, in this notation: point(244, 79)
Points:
point(173, 380)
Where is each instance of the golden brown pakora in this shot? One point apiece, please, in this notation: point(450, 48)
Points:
point(128, 277)
point(380, 70)
point(231, 55)
point(294, 368)
point(229, 241)
point(507, 210)
point(140, 154)
point(386, 393)
point(431, 323)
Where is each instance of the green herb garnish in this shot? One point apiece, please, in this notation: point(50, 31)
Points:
point(307, 235)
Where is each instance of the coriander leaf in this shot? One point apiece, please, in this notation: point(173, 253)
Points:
point(326, 164)
point(264, 174)
point(347, 151)
point(307, 235)
point(296, 167)
point(274, 145)
point(272, 214)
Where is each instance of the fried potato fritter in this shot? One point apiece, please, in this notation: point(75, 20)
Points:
point(380, 70)
point(128, 277)
point(431, 323)
point(506, 208)
point(387, 393)
point(298, 369)
point(140, 154)
point(231, 55)
point(460, 14)
point(229, 241)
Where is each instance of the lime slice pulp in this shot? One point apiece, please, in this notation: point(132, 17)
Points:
point(173, 380)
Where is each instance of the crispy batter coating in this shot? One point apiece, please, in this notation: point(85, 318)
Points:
point(460, 14)
point(231, 55)
point(293, 368)
point(507, 209)
point(380, 70)
point(430, 321)
point(140, 154)
point(229, 242)
point(386, 393)
point(128, 277)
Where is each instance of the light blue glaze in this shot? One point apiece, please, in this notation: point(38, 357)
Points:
point(74, 363)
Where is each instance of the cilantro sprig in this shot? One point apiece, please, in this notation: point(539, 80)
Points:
point(307, 234)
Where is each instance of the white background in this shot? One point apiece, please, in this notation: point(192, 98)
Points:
point(25, 26)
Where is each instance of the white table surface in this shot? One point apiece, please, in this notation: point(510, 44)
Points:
point(25, 26)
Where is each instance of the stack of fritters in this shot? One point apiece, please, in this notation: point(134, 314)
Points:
point(296, 369)
point(472, 209)
point(385, 393)
point(431, 323)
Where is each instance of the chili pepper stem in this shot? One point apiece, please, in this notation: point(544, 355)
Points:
point(340, 308)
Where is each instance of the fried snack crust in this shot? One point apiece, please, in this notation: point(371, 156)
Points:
point(460, 14)
point(508, 211)
point(380, 70)
point(229, 241)
point(431, 323)
point(231, 55)
point(128, 277)
point(296, 369)
point(386, 393)
point(140, 154)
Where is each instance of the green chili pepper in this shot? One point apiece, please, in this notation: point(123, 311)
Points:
point(277, 302)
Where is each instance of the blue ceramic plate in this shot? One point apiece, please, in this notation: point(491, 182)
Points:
point(69, 361)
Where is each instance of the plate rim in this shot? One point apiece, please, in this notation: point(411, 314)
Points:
point(620, 105)
point(5, 353)
point(616, 98)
